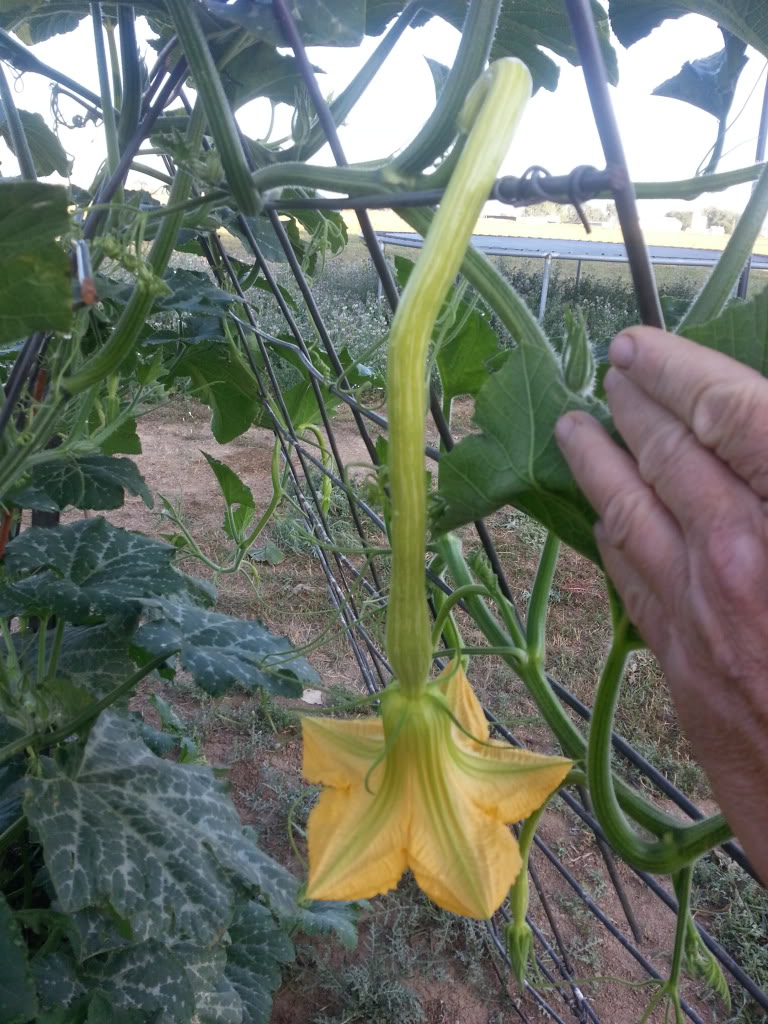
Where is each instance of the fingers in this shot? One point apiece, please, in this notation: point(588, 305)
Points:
point(633, 521)
point(692, 482)
point(722, 402)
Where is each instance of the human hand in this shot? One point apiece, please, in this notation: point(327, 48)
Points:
point(683, 534)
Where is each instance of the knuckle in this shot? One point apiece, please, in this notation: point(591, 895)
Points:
point(663, 451)
point(731, 419)
point(618, 516)
point(736, 552)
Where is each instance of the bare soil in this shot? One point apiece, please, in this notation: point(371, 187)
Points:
point(461, 984)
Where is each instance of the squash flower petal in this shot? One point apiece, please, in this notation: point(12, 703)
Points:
point(411, 790)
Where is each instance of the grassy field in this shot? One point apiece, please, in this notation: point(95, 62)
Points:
point(415, 963)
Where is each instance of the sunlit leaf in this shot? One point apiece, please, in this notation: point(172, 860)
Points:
point(320, 22)
point(741, 332)
point(515, 460)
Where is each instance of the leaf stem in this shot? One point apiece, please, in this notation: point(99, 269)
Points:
point(536, 619)
point(18, 136)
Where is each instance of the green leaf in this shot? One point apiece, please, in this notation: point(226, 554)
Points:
point(329, 916)
point(95, 659)
point(90, 482)
point(192, 292)
point(515, 459)
point(124, 439)
point(748, 19)
point(741, 332)
point(321, 22)
point(259, 70)
point(18, 1000)
point(524, 28)
point(48, 154)
point(159, 842)
point(216, 1001)
point(710, 82)
point(439, 73)
point(89, 568)
point(267, 552)
point(102, 1010)
point(221, 652)
point(225, 385)
point(56, 978)
point(258, 949)
point(469, 355)
point(35, 288)
point(236, 494)
point(150, 978)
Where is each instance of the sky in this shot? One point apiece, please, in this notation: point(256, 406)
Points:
point(663, 138)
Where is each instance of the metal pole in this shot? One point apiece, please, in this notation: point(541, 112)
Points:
point(762, 134)
point(545, 285)
point(590, 54)
point(578, 275)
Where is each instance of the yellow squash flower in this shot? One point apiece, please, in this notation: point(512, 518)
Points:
point(411, 790)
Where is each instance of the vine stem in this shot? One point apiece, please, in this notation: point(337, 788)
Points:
point(108, 110)
point(439, 131)
point(21, 148)
point(675, 849)
point(489, 117)
point(536, 619)
point(716, 291)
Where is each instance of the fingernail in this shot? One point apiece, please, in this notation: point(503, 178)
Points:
point(622, 351)
point(564, 428)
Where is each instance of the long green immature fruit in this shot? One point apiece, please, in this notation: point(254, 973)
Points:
point(489, 119)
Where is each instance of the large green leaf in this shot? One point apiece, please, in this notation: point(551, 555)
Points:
point(748, 19)
point(515, 459)
point(89, 568)
point(35, 289)
point(525, 28)
point(48, 154)
point(258, 949)
point(320, 22)
point(90, 482)
point(221, 652)
point(741, 332)
point(157, 841)
point(94, 659)
point(18, 1000)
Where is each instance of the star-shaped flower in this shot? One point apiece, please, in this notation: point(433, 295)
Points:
point(423, 789)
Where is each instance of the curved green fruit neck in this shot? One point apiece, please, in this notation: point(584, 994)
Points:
point(489, 119)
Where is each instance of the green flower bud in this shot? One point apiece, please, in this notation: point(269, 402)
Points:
point(577, 359)
point(520, 948)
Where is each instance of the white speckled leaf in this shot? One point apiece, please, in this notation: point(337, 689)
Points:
point(88, 567)
point(219, 651)
point(258, 948)
point(18, 1001)
point(158, 841)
